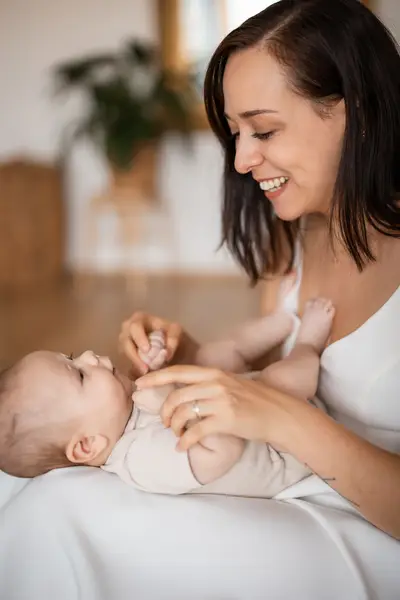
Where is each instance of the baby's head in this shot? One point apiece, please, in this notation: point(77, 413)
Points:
point(57, 411)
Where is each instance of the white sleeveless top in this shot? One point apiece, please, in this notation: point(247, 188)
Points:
point(359, 384)
point(360, 374)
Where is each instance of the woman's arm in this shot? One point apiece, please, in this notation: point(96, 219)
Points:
point(366, 475)
point(361, 472)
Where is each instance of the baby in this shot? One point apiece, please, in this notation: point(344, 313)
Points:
point(60, 411)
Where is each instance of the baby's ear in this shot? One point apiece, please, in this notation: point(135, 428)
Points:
point(87, 449)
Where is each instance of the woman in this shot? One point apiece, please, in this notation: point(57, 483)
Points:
point(304, 98)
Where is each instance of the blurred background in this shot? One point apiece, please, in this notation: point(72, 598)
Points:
point(110, 180)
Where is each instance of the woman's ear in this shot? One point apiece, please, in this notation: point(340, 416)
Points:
point(87, 449)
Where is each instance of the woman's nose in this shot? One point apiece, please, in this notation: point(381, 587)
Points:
point(248, 155)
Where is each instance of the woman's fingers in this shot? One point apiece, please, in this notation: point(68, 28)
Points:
point(185, 414)
point(137, 332)
point(188, 394)
point(134, 338)
point(173, 337)
point(128, 347)
point(185, 374)
point(197, 432)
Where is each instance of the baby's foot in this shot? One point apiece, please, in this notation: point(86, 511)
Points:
point(156, 356)
point(316, 323)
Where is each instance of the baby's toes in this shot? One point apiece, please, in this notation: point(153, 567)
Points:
point(159, 360)
point(323, 304)
point(311, 304)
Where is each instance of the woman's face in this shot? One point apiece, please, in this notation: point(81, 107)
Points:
point(281, 140)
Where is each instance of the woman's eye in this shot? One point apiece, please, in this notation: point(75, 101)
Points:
point(263, 136)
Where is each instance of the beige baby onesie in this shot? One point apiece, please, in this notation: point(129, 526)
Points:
point(145, 457)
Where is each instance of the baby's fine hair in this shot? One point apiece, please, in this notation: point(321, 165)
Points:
point(27, 446)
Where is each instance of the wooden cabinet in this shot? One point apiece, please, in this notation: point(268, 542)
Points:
point(31, 224)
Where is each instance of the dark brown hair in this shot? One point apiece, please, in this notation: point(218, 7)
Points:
point(331, 50)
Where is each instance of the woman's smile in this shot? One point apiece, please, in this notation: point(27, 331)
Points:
point(273, 188)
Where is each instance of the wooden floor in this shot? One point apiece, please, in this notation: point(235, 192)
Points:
point(72, 318)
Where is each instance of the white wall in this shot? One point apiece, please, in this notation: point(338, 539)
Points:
point(35, 34)
point(389, 12)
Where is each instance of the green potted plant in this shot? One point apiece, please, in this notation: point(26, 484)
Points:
point(131, 102)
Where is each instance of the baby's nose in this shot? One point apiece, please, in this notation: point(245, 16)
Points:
point(105, 362)
point(94, 360)
point(88, 357)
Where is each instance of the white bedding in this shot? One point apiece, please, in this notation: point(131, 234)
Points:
point(82, 534)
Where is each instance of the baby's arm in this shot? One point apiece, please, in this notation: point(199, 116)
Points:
point(214, 456)
point(248, 343)
point(146, 457)
point(211, 458)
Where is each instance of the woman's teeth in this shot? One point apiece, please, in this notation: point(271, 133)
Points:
point(272, 185)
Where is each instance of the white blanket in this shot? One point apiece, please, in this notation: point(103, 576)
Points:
point(82, 534)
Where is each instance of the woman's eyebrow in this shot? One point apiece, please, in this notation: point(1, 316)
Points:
point(247, 114)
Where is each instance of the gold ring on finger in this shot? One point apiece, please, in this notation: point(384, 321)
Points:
point(196, 409)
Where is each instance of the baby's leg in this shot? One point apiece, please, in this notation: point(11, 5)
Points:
point(248, 343)
point(214, 456)
point(297, 374)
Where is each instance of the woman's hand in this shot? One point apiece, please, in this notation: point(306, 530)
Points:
point(226, 403)
point(134, 337)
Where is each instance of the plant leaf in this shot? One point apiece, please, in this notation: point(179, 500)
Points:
point(132, 99)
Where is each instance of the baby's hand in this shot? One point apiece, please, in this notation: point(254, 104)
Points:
point(155, 357)
point(152, 399)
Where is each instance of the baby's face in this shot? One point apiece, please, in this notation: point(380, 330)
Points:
point(90, 391)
